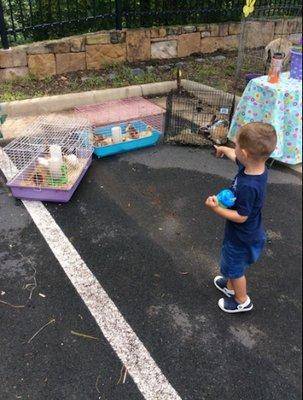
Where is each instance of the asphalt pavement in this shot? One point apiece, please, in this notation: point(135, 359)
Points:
point(139, 223)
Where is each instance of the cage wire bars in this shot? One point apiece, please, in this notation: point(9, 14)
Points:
point(50, 157)
point(124, 111)
point(198, 115)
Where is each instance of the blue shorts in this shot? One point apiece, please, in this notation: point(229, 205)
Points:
point(236, 258)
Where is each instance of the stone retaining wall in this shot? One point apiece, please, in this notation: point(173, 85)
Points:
point(94, 50)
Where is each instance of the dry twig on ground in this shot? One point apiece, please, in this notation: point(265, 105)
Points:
point(52, 321)
point(83, 335)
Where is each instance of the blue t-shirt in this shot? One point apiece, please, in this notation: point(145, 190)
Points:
point(250, 191)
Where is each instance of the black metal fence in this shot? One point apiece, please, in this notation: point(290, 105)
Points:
point(24, 21)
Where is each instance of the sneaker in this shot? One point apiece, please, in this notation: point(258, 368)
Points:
point(221, 284)
point(231, 306)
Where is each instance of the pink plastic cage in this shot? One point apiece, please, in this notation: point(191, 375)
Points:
point(125, 110)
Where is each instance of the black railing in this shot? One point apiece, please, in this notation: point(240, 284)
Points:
point(24, 21)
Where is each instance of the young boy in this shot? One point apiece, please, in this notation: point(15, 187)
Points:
point(244, 233)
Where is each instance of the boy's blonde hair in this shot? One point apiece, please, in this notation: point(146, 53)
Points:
point(259, 139)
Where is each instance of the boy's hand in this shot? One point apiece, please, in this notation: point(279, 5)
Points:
point(220, 153)
point(223, 151)
point(212, 202)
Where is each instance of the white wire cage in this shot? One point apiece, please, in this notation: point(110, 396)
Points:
point(52, 154)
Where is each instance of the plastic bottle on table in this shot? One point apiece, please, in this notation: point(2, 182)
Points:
point(276, 68)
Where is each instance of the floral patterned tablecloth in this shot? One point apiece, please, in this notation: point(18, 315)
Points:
point(278, 104)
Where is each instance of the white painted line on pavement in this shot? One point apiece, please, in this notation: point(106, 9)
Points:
point(143, 369)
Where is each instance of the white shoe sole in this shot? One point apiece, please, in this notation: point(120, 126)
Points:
point(221, 306)
point(220, 289)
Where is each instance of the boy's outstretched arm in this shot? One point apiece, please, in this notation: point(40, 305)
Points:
point(231, 215)
point(225, 151)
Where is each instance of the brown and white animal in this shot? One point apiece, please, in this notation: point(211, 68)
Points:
point(281, 45)
point(132, 132)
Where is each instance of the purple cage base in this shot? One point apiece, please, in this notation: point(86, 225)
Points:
point(296, 65)
point(49, 195)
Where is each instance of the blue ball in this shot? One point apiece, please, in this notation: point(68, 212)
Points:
point(226, 198)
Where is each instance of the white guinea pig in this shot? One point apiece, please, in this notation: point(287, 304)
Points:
point(72, 160)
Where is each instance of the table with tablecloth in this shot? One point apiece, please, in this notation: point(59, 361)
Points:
point(278, 104)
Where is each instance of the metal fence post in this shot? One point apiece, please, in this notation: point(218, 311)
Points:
point(3, 32)
point(119, 15)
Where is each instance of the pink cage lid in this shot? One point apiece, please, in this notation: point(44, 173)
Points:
point(119, 111)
